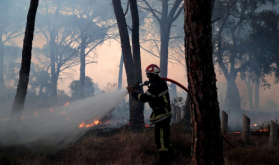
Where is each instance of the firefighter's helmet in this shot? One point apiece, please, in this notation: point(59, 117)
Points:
point(153, 69)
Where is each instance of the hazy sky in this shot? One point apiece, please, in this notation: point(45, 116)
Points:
point(106, 70)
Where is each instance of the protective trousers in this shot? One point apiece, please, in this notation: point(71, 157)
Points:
point(162, 134)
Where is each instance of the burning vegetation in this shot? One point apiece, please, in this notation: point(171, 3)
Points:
point(96, 122)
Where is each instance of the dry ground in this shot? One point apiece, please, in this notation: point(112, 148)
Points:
point(126, 148)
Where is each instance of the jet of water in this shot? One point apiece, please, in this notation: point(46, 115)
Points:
point(62, 125)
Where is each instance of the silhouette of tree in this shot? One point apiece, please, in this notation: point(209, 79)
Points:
point(25, 65)
point(131, 57)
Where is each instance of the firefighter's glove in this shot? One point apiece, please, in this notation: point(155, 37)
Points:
point(130, 89)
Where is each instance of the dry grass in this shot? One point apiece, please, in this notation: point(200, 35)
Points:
point(257, 153)
point(124, 147)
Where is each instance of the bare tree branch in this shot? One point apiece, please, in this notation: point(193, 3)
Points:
point(150, 52)
point(176, 37)
point(173, 9)
point(129, 27)
point(178, 13)
point(216, 19)
point(127, 9)
point(151, 10)
point(94, 47)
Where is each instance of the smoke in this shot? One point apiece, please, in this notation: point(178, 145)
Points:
point(61, 124)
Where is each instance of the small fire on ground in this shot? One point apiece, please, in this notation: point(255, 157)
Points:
point(257, 130)
point(147, 125)
point(96, 122)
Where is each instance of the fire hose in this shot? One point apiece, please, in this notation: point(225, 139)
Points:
point(146, 83)
point(183, 87)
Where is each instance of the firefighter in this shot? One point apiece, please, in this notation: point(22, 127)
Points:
point(158, 98)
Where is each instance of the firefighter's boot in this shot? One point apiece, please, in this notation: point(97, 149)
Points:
point(163, 159)
point(171, 154)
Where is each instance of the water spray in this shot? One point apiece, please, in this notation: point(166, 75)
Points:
point(64, 124)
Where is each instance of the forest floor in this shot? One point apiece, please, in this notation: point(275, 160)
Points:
point(122, 147)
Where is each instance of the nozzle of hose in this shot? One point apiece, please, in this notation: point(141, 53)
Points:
point(145, 83)
point(139, 85)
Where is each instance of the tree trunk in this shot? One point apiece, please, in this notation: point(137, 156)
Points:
point(82, 65)
point(207, 145)
point(186, 116)
point(224, 124)
point(173, 90)
point(139, 106)
point(226, 102)
point(127, 57)
point(257, 95)
point(250, 94)
point(125, 42)
point(164, 39)
point(233, 97)
point(212, 6)
point(25, 66)
point(164, 49)
point(40, 91)
point(120, 73)
point(168, 16)
point(1, 63)
point(52, 64)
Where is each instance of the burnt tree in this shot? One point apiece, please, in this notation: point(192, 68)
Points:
point(207, 145)
point(25, 64)
point(131, 62)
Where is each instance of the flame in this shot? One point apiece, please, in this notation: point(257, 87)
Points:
point(82, 125)
point(36, 114)
point(51, 109)
point(255, 125)
point(89, 125)
point(63, 112)
point(264, 130)
point(96, 122)
point(147, 125)
point(66, 104)
point(236, 132)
